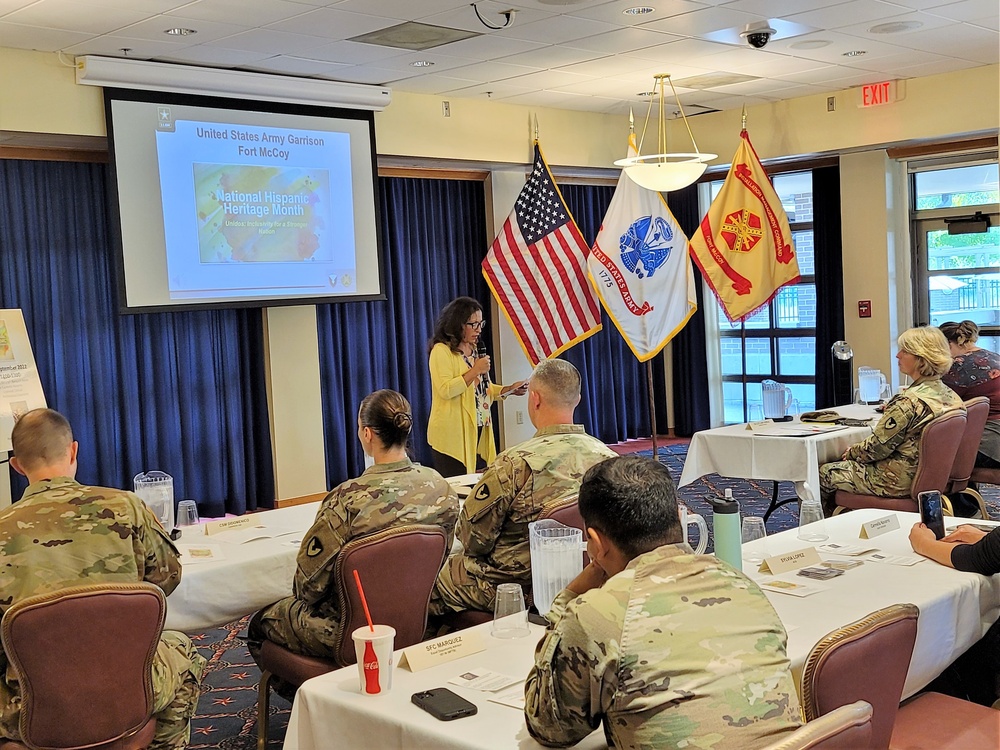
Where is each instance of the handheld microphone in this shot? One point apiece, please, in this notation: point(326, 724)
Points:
point(481, 352)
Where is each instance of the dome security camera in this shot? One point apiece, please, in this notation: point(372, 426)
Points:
point(758, 35)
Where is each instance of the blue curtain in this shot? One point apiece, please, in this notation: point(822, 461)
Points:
point(434, 239)
point(690, 349)
point(829, 257)
point(615, 404)
point(179, 392)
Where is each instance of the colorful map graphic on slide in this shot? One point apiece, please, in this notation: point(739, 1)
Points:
point(262, 214)
point(6, 352)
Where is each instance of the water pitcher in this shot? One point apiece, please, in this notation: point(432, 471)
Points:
point(556, 559)
point(156, 489)
point(777, 398)
point(871, 385)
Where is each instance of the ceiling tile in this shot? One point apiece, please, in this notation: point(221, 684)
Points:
point(38, 38)
point(432, 84)
point(493, 71)
point(623, 40)
point(939, 66)
point(612, 12)
point(56, 14)
point(544, 79)
point(494, 90)
point(249, 14)
point(766, 9)
point(551, 57)
point(408, 11)
point(153, 28)
point(701, 22)
point(204, 54)
point(353, 53)
point(966, 10)
point(557, 30)
point(111, 45)
point(925, 20)
point(441, 62)
point(299, 66)
point(858, 11)
point(464, 16)
point(273, 42)
point(684, 52)
point(488, 47)
point(332, 24)
point(371, 74)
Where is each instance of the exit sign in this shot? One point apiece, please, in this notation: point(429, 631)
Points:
point(875, 94)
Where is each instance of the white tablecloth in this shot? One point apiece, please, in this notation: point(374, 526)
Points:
point(734, 451)
point(251, 575)
point(956, 608)
point(330, 711)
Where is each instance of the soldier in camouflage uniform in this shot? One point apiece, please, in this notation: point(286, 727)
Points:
point(62, 534)
point(669, 649)
point(393, 492)
point(885, 463)
point(493, 526)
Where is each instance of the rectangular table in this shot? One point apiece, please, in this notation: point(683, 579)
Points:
point(331, 707)
point(734, 451)
point(955, 610)
point(250, 576)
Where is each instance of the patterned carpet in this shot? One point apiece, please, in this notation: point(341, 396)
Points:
point(227, 713)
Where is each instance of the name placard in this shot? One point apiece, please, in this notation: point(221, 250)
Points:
point(228, 524)
point(800, 558)
point(879, 526)
point(441, 650)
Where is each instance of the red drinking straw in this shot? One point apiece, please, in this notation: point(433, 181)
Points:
point(364, 602)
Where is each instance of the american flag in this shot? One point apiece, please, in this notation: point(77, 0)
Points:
point(537, 270)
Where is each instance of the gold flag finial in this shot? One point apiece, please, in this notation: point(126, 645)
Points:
point(743, 118)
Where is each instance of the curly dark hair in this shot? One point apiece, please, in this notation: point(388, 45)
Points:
point(450, 325)
point(962, 333)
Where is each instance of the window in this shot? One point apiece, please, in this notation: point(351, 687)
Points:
point(957, 273)
point(780, 342)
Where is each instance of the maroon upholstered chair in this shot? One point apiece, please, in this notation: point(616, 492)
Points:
point(976, 411)
point(866, 660)
point(398, 568)
point(938, 447)
point(932, 721)
point(84, 658)
point(844, 728)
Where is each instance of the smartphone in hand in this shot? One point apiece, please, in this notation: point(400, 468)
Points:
point(931, 514)
point(443, 704)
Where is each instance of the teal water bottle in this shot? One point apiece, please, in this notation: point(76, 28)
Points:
point(726, 529)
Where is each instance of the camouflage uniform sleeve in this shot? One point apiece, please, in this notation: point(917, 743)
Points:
point(320, 547)
point(449, 516)
point(898, 419)
point(161, 563)
point(563, 695)
point(487, 506)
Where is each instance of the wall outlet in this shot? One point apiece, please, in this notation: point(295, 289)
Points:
point(519, 417)
point(446, 109)
point(831, 104)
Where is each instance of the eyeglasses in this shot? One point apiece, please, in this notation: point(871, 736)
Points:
point(478, 326)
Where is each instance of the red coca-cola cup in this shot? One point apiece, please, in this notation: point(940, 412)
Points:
point(374, 651)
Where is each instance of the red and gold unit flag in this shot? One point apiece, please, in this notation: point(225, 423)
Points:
point(744, 246)
point(537, 270)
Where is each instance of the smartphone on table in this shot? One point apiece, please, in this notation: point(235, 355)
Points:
point(931, 514)
point(443, 704)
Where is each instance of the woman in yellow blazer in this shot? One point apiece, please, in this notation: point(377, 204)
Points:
point(459, 430)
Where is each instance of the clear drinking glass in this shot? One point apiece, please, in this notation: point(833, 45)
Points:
point(812, 524)
point(187, 513)
point(754, 530)
point(510, 618)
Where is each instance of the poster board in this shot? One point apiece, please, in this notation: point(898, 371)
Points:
point(20, 388)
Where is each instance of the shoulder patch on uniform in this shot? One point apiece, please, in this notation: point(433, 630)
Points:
point(483, 493)
point(315, 547)
point(890, 423)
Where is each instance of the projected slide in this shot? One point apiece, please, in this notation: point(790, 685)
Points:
point(251, 210)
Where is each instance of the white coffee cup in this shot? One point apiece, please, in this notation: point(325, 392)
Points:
point(374, 651)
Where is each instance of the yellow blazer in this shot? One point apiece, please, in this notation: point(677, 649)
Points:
point(451, 428)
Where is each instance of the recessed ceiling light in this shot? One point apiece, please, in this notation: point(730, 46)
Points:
point(639, 10)
point(811, 44)
point(856, 53)
point(180, 32)
point(421, 64)
point(895, 27)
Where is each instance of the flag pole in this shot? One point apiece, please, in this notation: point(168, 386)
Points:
point(743, 349)
point(652, 407)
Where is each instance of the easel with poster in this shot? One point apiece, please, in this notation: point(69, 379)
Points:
point(20, 388)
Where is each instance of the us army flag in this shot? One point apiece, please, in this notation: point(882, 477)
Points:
point(744, 246)
point(640, 268)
